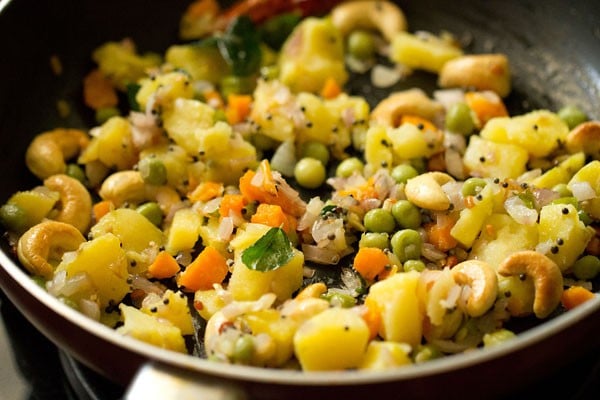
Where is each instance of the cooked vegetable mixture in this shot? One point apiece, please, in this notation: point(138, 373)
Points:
point(233, 180)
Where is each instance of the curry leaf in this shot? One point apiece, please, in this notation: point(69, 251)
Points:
point(240, 46)
point(271, 251)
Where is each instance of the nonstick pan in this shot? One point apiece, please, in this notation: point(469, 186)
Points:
point(554, 48)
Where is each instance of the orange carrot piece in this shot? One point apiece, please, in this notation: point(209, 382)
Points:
point(370, 262)
point(331, 89)
point(102, 208)
point(486, 105)
point(574, 296)
point(164, 266)
point(98, 91)
point(232, 203)
point(418, 121)
point(273, 215)
point(238, 108)
point(371, 314)
point(439, 235)
point(207, 269)
point(206, 191)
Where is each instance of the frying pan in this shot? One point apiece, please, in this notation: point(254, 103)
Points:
point(554, 48)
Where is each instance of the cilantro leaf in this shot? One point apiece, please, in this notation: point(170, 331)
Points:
point(271, 251)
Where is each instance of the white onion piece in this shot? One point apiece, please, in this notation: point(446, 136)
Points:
point(449, 97)
point(284, 158)
point(320, 255)
point(524, 215)
point(383, 77)
point(582, 191)
point(90, 308)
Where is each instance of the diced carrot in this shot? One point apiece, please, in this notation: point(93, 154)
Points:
point(207, 269)
point(438, 233)
point(164, 266)
point(486, 105)
point(232, 203)
point(331, 89)
point(238, 108)
point(418, 121)
point(371, 314)
point(370, 262)
point(206, 191)
point(273, 215)
point(98, 91)
point(101, 208)
point(574, 296)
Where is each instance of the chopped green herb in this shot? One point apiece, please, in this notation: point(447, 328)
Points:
point(270, 252)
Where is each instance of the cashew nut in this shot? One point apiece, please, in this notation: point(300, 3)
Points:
point(479, 71)
point(75, 201)
point(129, 187)
point(407, 102)
point(585, 137)
point(482, 281)
point(426, 191)
point(312, 291)
point(546, 275)
point(44, 242)
point(384, 16)
point(47, 153)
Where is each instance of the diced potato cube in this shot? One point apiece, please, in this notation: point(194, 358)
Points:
point(494, 160)
point(156, 331)
point(562, 231)
point(378, 153)
point(539, 132)
point(501, 237)
point(589, 174)
point(112, 144)
point(280, 329)
point(408, 141)
point(172, 307)
point(313, 53)
point(105, 263)
point(401, 314)
point(208, 302)
point(35, 203)
point(334, 339)
point(426, 52)
point(386, 355)
point(184, 119)
point(201, 62)
point(165, 89)
point(175, 160)
point(184, 231)
point(471, 220)
point(321, 120)
point(135, 231)
point(562, 173)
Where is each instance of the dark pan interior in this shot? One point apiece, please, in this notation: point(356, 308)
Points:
point(553, 48)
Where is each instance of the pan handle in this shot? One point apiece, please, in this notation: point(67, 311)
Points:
point(158, 381)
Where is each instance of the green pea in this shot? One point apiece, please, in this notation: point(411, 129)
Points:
point(339, 299)
point(348, 166)
point(310, 173)
point(243, 349)
point(472, 186)
point(497, 337)
point(13, 217)
point(233, 84)
point(587, 267)
point(406, 214)
point(152, 211)
point(427, 352)
point(406, 245)
point(381, 240)
point(413, 265)
point(420, 164)
point(40, 281)
point(153, 171)
point(75, 171)
point(459, 119)
point(361, 45)
point(403, 172)
point(104, 114)
point(584, 217)
point(379, 220)
point(316, 150)
point(572, 116)
point(563, 190)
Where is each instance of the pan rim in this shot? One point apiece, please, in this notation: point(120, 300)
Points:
point(198, 365)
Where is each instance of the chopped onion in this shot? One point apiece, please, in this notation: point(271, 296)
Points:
point(320, 255)
point(449, 97)
point(383, 77)
point(524, 215)
point(90, 308)
point(582, 191)
point(225, 228)
point(284, 158)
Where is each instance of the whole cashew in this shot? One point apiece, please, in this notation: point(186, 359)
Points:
point(47, 153)
point(384, 16)
point(426, 191)
point(75, 201)
point(407, 102)
point(129, 187)
point(480, 71)
point(483, 283)
point(585, 137)
point(546, 275)
point(46, 241)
